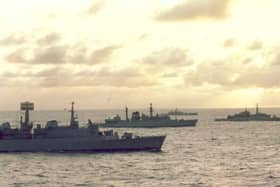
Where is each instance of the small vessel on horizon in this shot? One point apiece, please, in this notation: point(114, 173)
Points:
point(247, 116)
point(71, 138)
point(177, 112)
point(147, 121)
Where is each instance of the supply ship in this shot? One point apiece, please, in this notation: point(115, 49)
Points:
point(145, 121)
point(70, 138)
point(247, 116)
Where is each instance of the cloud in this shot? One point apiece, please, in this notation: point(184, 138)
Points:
point(96, 7)
point(247, 60)
point(40, 54)
point(102, 55)
point(169, 57)
point(170, 75)
point(166, 59)
point(230, 42)
point(18, 56)
point(235, 75)
point(49, 39)
point(194, 9)
point(13, 39)
point(264, 78)
point(119, 78)
point(77, 55)
point(48, 72)
point(50, 49)
point(143, 36)
point(61, 54)
point(62, 76)
point(276, 59)
point(214, 72)
point(256, 45)
point(127, 77)
point(55, 77)
point(50, 55)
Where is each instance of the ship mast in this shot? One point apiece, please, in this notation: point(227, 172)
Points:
point(151, 110)
point(257, 108)
point(126, 113)
point(73, 122)
point(26, 106)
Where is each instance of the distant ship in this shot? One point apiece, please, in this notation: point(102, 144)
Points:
point(177, 112)
point(145, 121)
point(71, 138)
point(247, 116)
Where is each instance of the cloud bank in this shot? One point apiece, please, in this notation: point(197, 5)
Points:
point(194, 9)
point(13, 39)
point(236, 75)
point(61, 54)
point(96, 7)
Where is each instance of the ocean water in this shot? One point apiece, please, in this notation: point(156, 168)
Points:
point(210, 154)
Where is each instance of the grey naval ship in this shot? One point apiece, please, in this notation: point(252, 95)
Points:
point(145, 121)
point(177, 112)
point(247, 116)
point(71, 138)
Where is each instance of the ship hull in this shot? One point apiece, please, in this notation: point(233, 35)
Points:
point(150, 124)
point(247, 119)
point(152, 143)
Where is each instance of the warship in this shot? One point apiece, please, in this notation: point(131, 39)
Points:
point(145, 121)
point(177, 112)
point(70, 138)
point(247, 116)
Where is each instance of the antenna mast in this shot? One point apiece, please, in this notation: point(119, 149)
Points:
point(151, 110)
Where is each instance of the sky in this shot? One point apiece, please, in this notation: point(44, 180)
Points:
point(112, 53)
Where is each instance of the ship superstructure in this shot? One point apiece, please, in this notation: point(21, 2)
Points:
point(147, 121)
point(71, 138)
point(247, 116)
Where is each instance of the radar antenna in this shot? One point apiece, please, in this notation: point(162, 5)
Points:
point(26, 106)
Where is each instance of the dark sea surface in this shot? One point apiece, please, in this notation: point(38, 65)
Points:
point(211, 154)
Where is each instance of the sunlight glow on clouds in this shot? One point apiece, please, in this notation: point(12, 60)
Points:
point(183, 53)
